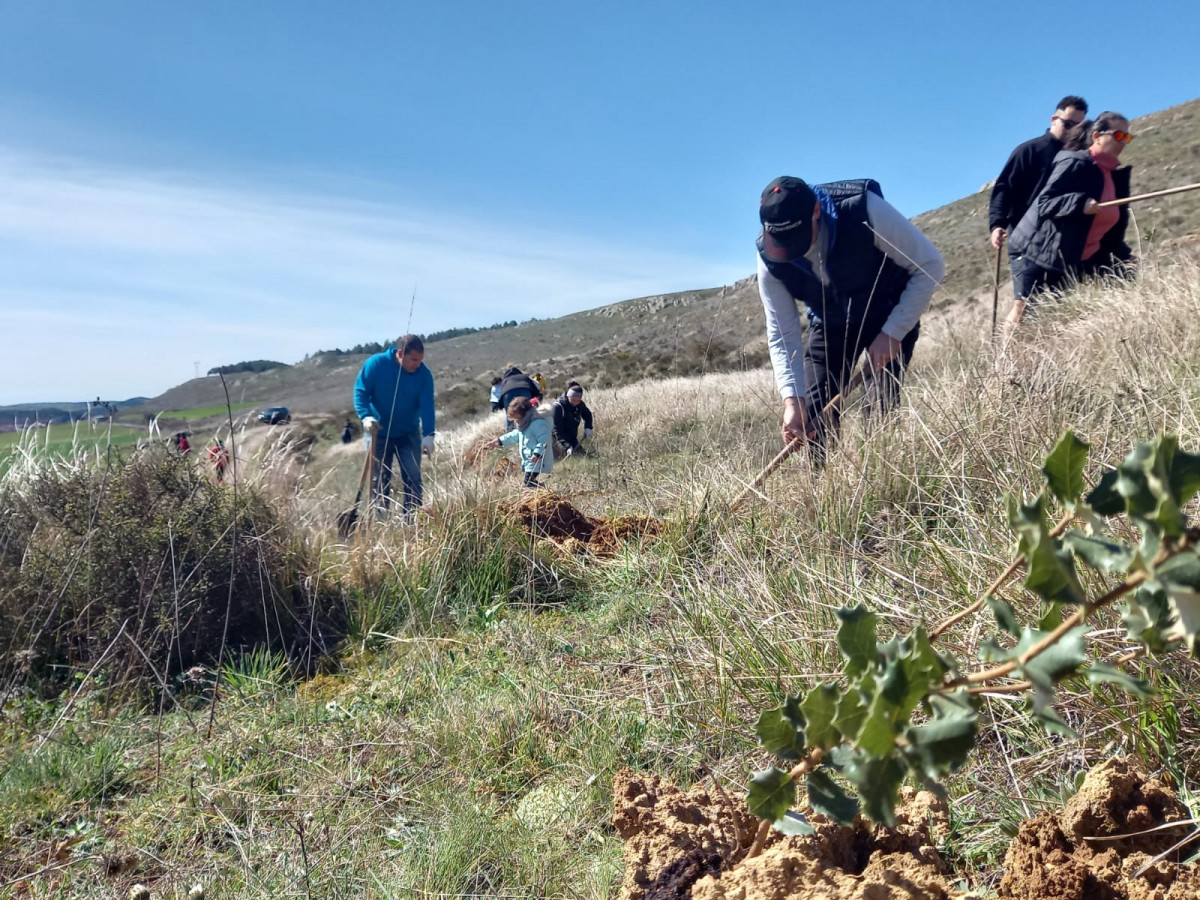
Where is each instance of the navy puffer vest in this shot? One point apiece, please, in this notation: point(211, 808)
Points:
point(864, 285)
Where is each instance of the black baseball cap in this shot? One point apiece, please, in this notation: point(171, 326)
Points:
point(786, 213)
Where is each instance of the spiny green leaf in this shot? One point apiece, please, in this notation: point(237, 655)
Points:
point(779, 735)
point(851, 713)
point(856, 638)
point(793, 824)
point(1005, 617)
point(943, 744)
point(820, 708)
point(771, 794)
point(1104, 498)
point(1051, 616)
point(1185, 476)
point(893, 683)
point(1064, 469)
point(923, 669)
point(878, 781)
point(1103, 673)
point(827, 798)
point(1056, 662)
point(1049, 572)
point(1106, 556)
point(878, 733)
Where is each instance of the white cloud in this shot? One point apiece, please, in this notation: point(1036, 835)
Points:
point(115, 280)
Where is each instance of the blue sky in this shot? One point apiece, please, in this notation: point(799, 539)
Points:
point(218, 181)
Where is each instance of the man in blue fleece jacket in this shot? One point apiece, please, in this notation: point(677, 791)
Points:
point(394, 398)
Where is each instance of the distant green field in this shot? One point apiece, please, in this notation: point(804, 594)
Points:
point(203, 412)
point(62, 438)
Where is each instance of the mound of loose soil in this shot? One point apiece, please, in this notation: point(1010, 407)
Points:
point(550, 516)
point(1054, 855)
point(695, 845)
point(692, 844)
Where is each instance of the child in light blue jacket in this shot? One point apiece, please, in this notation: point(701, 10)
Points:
point(532, 436)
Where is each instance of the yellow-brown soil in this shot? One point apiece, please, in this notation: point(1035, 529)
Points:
point(695, 844)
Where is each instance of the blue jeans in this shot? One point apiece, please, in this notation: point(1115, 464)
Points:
point(404, 449)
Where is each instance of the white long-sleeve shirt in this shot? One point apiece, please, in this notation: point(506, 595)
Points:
point(899, 240)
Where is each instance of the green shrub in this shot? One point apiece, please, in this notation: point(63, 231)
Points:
point(145, 569)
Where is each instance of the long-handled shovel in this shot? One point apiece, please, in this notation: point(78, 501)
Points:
point(1136, 197)
point(796, 443)
point(347, 520)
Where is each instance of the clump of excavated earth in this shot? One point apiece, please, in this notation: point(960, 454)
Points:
point(681, 844)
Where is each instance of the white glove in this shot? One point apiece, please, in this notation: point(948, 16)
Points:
point(427, 444)
point(370, 424)
point(587, 432)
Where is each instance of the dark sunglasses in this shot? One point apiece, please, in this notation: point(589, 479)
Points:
point(1121, 137)
point(1067, 123)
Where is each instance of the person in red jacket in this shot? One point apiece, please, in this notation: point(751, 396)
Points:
point(219, 457)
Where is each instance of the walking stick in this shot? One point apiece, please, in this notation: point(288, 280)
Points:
point(1152, 194)
point(796, 443)
point(996, 290)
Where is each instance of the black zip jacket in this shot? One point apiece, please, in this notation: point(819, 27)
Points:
point(515, 383)
point(1054, 229)
point(1021, 180)
point(566, 420)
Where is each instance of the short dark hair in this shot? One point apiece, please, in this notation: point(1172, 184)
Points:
point(410, 342)
point(496, 380)
point(1071, 100)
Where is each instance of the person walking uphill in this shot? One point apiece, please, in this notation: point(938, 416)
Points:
point(864, 273)
point(1025, 173)
point(569, 409)
point(532, 435)
point(1065, 233)
point(394, 398)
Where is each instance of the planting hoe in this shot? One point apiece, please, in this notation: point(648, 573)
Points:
point(347, 520)
point(796, 443)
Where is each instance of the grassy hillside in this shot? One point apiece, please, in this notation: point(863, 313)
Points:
point(463, 739)
point(717, 329)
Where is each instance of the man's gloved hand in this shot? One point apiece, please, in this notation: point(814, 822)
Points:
point(587, 432)
point(427, 443)
point(370, 424)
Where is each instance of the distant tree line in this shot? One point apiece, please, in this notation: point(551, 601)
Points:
point(431, 338)
point(254, 365)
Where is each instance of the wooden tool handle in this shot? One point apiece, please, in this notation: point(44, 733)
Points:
point(1122, 201)
point(796, 443)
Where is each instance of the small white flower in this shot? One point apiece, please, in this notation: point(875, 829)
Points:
point(139, 892)
point(196, 892)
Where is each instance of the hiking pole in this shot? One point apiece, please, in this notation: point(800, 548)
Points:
point(996, 290)
point(796, 443)
point(1136, 197)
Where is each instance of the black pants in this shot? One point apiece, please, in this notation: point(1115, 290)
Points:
point(828, 362)
point(1030, 280)
point(531, 480)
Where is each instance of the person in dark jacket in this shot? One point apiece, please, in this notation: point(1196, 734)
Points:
point(569, 409)
point(513, 384)
point(1025, 174)
point(865, 274)
point(1065, 234)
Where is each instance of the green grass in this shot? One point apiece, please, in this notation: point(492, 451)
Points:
point(203, 412)
point(488, 687)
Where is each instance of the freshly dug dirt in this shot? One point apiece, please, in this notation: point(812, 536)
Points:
point(693, 844)
point(1052, 856)
point(549, 516)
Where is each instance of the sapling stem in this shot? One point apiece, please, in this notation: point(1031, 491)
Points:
point(953, 620)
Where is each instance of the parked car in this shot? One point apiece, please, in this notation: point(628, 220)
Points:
point(274, 415)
